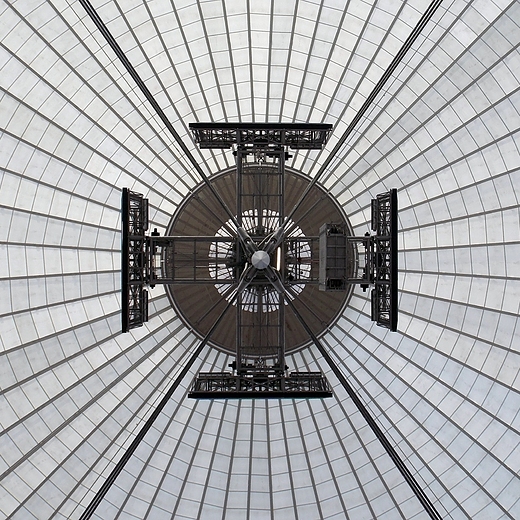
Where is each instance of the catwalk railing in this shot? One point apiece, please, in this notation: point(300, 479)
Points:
point(255, 385)
point(376, 259)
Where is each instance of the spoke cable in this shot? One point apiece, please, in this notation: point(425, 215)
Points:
point(425, 18)
point(94, 16)
point(405, 472)
point(103, 490)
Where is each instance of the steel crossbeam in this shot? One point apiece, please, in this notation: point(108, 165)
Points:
point(295, 136)
point(266, 385)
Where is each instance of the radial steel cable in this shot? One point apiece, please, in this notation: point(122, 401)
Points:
point(401, 466)
point(425, 18)
point(146, 92)
point(102, 491)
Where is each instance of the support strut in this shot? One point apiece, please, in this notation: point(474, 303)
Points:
point(103, 490)
point(425, 18)
point(405, 472)
point(148, 95)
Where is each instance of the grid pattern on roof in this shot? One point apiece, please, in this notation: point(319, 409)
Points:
point(444, 131)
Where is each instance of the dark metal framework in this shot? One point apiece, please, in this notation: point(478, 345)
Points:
point(302, 268)
point(295, 136)
point(265, 384)
point(138, 301)
point(259, 369)
point(189, 260)
point(377, 259)
point(385, 267)
point(134, 221)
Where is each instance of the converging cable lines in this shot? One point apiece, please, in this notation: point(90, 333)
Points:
point(425, 18)
point(159, 111)
point(103, 490)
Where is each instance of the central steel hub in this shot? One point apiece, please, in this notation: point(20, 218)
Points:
point(218, 263)
point(260, 260)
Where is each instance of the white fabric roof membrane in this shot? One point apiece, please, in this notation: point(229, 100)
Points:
point(444, 131)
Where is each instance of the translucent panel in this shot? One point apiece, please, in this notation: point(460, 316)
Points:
point(444, 131)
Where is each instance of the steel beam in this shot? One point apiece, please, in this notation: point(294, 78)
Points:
point(103, 490)
point(307, 136)
point(401, 466)
point(260, 385)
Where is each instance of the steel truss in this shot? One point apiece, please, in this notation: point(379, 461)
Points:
point(295, 136)
point(259, 369)
point(385, 267)
point(211, 385)
point(134, 219)
point(376, 263)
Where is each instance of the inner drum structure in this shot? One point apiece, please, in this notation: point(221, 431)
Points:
point(202, 215)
